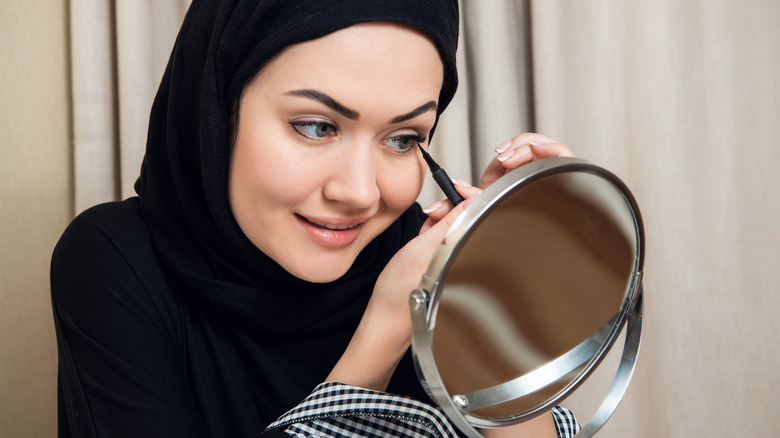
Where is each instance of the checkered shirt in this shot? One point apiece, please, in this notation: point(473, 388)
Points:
point(339, 410)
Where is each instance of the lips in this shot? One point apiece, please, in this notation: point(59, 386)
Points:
point(334, 227)
point(331, 232)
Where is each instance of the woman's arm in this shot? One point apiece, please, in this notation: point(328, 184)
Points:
point(120, 374)
point(384, 333)
point(541, 426)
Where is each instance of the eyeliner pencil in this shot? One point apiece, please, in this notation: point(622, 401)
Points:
point(442, 179)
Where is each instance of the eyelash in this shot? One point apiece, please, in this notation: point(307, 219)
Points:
point(416, 138)
point(299, 125)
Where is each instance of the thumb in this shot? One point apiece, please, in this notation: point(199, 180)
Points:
point(440, 228)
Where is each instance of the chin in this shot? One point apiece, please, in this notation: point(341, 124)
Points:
point(318, 272)
point(320, 277)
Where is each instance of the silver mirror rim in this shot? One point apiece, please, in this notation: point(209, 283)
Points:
point(425, 299)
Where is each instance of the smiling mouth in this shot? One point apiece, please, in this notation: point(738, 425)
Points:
point(332, 227)
point(331, 235)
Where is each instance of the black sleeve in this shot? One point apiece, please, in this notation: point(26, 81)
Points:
point(121, 372)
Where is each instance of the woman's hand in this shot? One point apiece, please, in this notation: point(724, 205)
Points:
point(522, 149)
point(384, 332)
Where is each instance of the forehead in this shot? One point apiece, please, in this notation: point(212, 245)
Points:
point(372, 59)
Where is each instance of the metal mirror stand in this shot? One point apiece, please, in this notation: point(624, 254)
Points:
point(462, 409)
point(456, 406)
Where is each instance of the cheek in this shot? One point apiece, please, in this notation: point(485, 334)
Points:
point(264, 172)
point(401, 187)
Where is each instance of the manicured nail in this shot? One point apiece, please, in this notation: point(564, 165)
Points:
point(460, 182)
point(469, 200)
point(538, 143)
point(503, 156)
point(503, 146)
point(433, 207)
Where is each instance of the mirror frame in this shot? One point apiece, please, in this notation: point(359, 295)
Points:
point(425, 299)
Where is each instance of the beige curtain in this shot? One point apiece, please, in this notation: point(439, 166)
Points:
point(679, 98)
point(119, 50)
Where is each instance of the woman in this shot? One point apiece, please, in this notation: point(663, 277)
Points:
point(275, 237)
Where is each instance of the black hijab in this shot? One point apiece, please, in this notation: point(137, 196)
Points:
point(221, 46)
point(259, 338)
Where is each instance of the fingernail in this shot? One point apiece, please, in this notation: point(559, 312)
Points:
point(433, 207)
point(538, 143)
point(503, 156)
point(503, 146)
point(460, 182)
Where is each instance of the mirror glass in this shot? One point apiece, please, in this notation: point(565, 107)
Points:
point(533, 291)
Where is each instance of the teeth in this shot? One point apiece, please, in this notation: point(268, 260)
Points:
point(329, 226)
point(337, 227)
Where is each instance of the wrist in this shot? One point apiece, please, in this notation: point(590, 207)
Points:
point(373, 354)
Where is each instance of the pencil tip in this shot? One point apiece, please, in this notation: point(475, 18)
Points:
point(428, 159)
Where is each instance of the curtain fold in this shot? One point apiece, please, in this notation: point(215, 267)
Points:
point(678, 98)
point(146, 30)
point(119, 51)
point(93, 78)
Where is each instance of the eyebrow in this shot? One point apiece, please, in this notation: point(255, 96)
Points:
point(327, 101)
point(430, 106)
point(354, 115)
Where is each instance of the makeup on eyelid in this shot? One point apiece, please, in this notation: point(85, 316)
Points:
point(311, 129)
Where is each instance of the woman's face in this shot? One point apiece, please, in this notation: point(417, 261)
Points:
point(325, 157)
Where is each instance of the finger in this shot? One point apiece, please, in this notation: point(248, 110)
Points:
point(532, 137)
point(439, 209)
point(465, 188)
point(510, 158)
point(522, 149)
point(516, 156)
point(426, 225)
point(494, 171)
point(436, 230)
point(547, 150)
point(534, 151)
point(519, 143)
point(444, 212)
point(498, 167)
point(436, 211)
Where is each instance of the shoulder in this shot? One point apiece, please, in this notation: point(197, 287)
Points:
point(110, 235)
point(109, 220)
point(105, 265)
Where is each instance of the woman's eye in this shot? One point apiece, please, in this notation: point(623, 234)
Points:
point(404, 143)
point(313, 129)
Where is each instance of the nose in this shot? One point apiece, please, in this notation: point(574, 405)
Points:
point(353, 179)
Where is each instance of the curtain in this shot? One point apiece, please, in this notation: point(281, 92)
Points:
point(678, 98)
point(681, 99)
point(119, 50)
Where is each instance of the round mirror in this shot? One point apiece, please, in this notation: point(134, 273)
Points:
point(529, 290)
